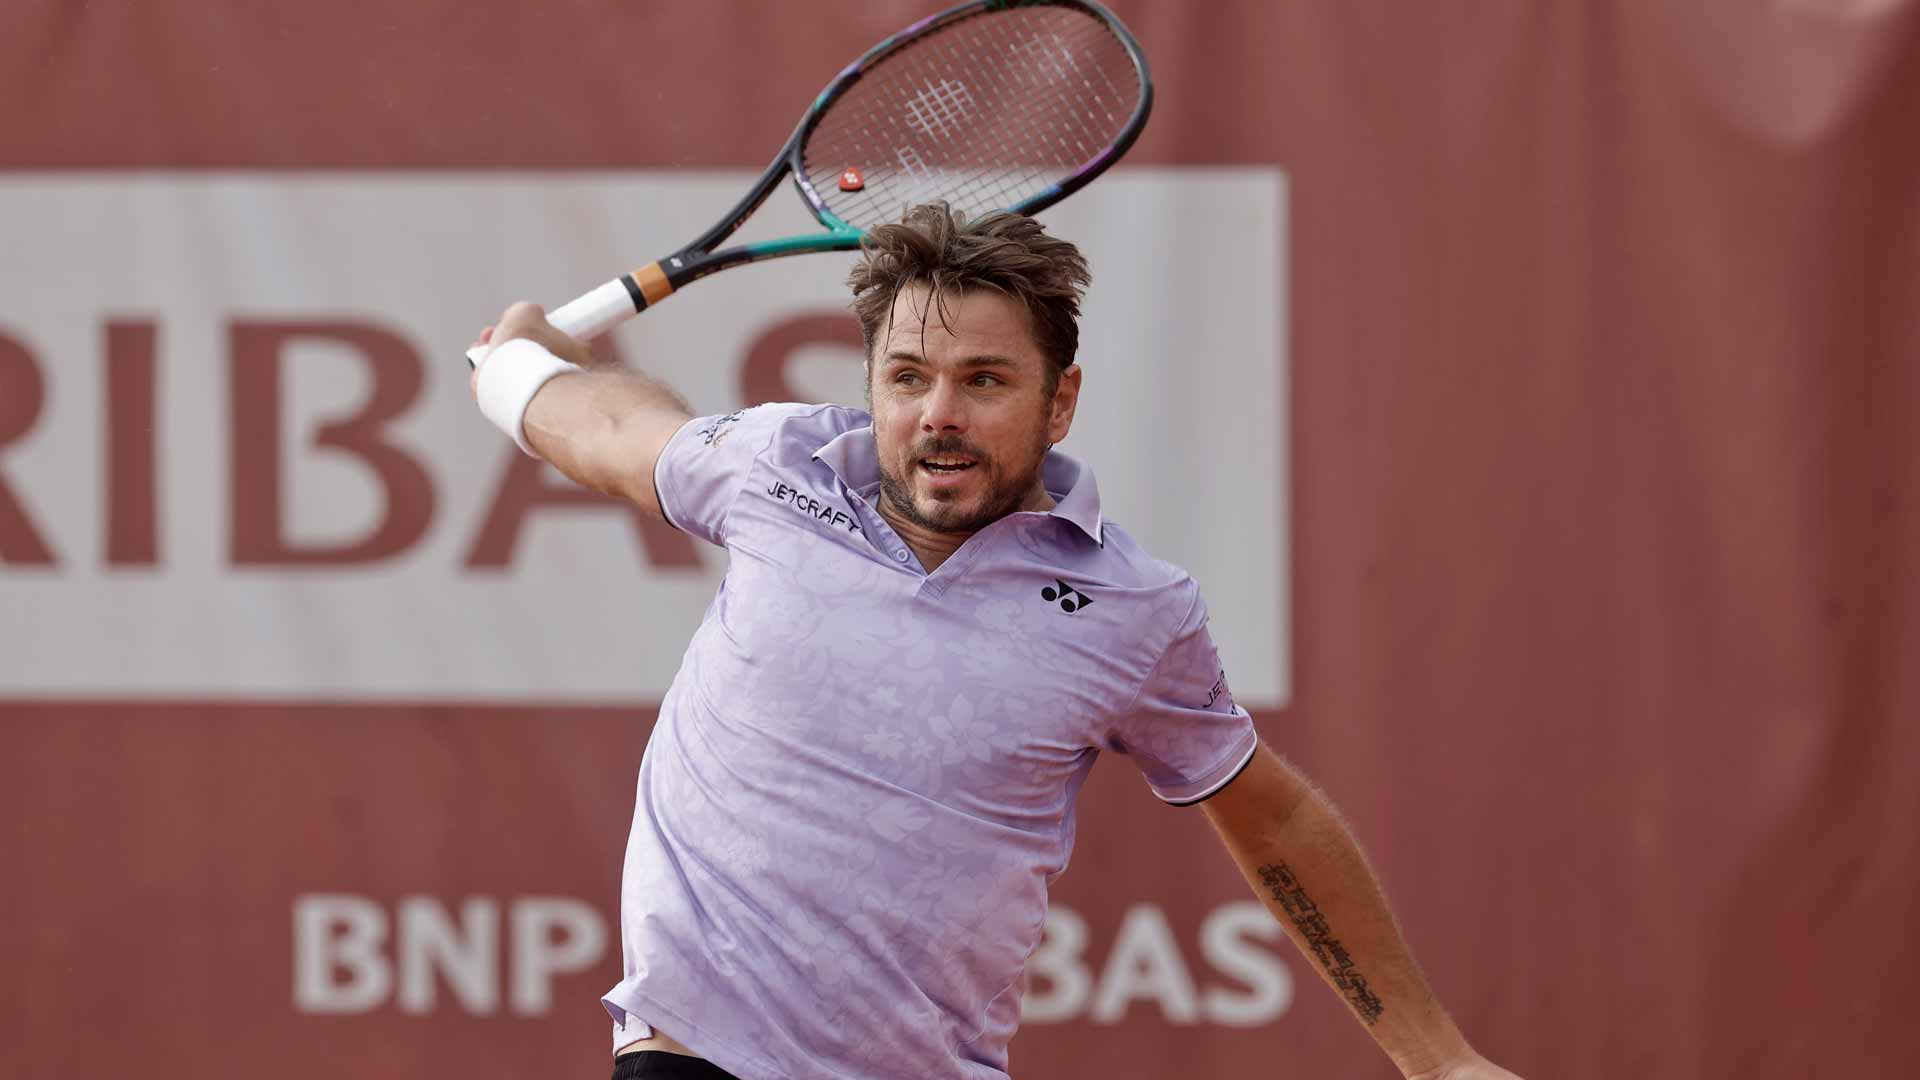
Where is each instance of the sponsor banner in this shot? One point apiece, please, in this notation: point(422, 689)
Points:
point(422, 890)
point(490, 955)
point(238, 458)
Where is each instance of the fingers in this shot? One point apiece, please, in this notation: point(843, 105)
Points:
point(520, 320)
point(524, 320)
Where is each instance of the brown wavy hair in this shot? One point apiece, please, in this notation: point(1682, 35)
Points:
point(937, 246)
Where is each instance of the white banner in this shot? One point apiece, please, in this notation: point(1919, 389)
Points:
point(238, 458)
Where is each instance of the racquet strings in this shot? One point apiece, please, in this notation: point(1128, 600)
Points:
point(986, 113)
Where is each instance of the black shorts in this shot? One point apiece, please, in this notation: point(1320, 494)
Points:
point(660, 1065)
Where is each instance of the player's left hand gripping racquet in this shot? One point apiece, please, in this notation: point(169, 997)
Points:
point(991, 105)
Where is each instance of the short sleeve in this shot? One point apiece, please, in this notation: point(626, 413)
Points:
point(707, 462)
point(1183, 729)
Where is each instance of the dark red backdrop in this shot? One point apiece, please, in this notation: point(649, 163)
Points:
point(1606, 504)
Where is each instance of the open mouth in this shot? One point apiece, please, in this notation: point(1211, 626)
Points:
point(944, 465)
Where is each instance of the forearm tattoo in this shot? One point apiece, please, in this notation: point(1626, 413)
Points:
point(1305, 915)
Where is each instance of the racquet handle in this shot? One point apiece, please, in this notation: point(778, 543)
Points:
point(602, 309)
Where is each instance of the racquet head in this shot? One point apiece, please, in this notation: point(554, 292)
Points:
point(994, 105)
point(991, 105)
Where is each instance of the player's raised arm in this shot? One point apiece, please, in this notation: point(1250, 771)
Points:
point(1297, 853)
point(604, 429)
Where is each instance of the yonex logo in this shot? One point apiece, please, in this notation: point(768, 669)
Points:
point(1071, 599)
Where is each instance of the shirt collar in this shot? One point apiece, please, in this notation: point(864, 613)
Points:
point(1076, 497)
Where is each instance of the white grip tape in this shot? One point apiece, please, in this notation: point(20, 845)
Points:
point(586, 317)
point(509, 377)
point(595, 313)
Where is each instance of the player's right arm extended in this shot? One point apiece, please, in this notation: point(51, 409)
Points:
point(604, 429)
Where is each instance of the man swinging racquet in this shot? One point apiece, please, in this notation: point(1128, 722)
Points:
point(863, 776)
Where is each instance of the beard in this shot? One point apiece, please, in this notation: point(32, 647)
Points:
point(997, 490)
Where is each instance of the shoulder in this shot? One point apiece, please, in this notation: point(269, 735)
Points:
point(1128, 563)
point(1161, 595)
point(775, 425)
point(800, 430)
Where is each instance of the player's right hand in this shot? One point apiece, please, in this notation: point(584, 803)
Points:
point(524, 320)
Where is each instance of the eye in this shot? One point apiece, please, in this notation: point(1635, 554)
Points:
point(906, 378)
point(984, 380)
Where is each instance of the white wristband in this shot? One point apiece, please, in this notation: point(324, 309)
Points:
point(509, 377)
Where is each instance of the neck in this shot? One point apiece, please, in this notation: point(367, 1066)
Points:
point(933, 547)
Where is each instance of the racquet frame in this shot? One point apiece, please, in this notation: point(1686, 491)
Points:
point(631, 293)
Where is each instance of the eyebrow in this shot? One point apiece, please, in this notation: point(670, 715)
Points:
point(984, 360)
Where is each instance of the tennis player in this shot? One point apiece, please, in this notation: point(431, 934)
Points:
point(863, 776)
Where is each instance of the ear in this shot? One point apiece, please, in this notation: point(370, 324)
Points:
point(1066, 398)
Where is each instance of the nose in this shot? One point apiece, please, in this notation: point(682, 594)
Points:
point(944, 408)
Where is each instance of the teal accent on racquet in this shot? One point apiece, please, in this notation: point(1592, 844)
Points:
point(991, 105)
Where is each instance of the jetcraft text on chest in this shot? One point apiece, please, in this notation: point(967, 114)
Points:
point(812, 507)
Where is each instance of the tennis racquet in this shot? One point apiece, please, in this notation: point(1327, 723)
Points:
point(991, 105)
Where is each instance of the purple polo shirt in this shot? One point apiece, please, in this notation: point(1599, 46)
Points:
point(863, 776)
